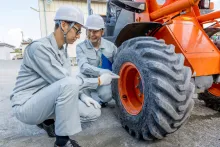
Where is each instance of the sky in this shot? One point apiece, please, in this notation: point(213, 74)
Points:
point(17, 16)
point(217, 4)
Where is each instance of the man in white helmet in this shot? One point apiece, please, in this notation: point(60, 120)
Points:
point(44, 88)
point(95, 56)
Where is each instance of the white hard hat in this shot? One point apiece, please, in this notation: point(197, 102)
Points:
point(70, 13)
point(95, 22)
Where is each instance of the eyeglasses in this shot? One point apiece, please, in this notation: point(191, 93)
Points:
point(78, 31)
point(94, 31)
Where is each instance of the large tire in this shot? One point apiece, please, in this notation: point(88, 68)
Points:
point(166, 87)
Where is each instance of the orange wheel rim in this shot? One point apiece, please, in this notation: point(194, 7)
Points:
point(131, 88)
point(215, 90)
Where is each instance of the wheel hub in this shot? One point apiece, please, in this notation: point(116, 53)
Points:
point(131, 88)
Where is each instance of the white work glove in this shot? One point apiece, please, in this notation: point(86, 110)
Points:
point(88, 101)
point(106, 78)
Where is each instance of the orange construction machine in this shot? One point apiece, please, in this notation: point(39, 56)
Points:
point(165, 56)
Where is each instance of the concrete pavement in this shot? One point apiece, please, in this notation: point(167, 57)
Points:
point(202, 129)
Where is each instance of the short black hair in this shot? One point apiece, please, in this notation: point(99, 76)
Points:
point(57, 24)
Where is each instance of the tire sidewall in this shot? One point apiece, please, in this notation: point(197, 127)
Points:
point(134, 120)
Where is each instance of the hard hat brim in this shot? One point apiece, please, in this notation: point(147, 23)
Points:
point(93, 28)
point(83, 26)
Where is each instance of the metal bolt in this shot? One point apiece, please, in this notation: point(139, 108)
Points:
point(138, 78)
point(139, 94)
point(137, 86)
point(124, 96)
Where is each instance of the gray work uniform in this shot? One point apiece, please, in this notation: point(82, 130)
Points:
point(46, 88)
point(89, 59)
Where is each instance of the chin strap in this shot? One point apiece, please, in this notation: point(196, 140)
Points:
point(65, 34)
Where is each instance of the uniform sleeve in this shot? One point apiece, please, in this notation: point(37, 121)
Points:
point(115, 51)
point(84, 65)
point(46, 65)
point(87, 83)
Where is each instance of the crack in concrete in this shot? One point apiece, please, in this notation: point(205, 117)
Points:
point(204, 117)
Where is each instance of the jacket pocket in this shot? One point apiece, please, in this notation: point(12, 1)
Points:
point(92, 60)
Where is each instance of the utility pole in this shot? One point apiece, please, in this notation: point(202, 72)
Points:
point(89, 7)
point(22, 36)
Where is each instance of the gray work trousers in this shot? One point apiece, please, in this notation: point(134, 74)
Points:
point(61, 100)
point(102, 93)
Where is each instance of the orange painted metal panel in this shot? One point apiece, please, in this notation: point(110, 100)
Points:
point(210, 16)
point(204, 63)
point(186, 33)
point(166, 34)
point(144, 16)
point(190, 39)
point(172, 8)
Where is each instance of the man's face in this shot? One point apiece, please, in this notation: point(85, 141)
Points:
point(95, 35)
point(73, 34)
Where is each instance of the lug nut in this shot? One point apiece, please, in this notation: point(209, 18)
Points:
point(124, 96)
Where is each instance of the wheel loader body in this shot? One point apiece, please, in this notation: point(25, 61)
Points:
point(185, 31)
point(155, 89)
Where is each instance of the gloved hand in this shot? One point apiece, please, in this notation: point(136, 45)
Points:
point(88, 101)
point(106, 78)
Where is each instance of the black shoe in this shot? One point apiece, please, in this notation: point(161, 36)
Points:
point(103, 104)
point(50, 129)
point(70, 143)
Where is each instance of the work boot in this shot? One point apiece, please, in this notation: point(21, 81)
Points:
point(50, 129)
point(103, 104)
point(70, 143)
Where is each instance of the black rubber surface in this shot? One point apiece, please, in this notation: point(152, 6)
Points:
point(166, 85)
point(210, 100)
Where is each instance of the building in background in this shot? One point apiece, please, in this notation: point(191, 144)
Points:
point(47, 10)
point(16, 54)
point(24, 44)
point(5, 50)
